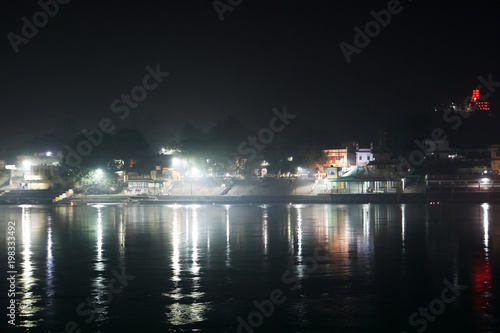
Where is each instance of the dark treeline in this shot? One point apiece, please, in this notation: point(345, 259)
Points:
point(227, 146)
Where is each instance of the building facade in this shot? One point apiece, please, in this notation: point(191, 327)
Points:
point(495, 158)
point(363, 157)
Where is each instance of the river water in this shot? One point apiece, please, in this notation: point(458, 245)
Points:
point(252, 268)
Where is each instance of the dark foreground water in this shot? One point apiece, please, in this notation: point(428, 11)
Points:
point(244, 268)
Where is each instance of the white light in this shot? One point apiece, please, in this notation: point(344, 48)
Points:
point(98, 173)
point(195, 172)
point(49, 153)
point(484, 180)
point(26, 164)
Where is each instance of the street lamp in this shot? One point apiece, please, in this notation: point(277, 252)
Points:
point(98, 174)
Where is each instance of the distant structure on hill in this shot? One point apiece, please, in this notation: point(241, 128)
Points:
point(476, 103)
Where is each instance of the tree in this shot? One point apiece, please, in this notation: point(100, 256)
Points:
point(97, 181)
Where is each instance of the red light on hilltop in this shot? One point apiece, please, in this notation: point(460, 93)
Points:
point(476, 104)
point(475, 94)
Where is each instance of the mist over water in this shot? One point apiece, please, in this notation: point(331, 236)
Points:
point(198, 268)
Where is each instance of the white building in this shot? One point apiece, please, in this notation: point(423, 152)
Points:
point(38, 171)
point(364, 156)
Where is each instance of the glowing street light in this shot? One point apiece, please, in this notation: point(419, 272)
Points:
point(195, 172)
point(98, 174)
point(26, 164)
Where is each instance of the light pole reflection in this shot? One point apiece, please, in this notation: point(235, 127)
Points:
point(482, 270)
point(228, 246)
point(264, 228)
point(49, 263)
point(99, 283)
point(403, 223)
point(27, 307)
point(366, 220)
point(181, 312)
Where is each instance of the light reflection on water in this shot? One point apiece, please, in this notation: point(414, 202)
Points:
point(187, 307)
point(482, 270)
point(28, 307)
point(100, 282)
point(208, 263)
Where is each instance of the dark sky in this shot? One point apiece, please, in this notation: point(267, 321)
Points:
point(263, 55)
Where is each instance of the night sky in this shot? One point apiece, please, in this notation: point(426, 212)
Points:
point(263, 55)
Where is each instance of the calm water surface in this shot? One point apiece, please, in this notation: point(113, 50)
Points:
point(218, 268)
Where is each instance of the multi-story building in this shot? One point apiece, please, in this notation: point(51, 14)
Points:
point(349, 156)
point(38, 171)
point(336, 157)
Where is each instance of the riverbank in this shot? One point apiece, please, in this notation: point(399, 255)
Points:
point(47, 197)
point(432, 198)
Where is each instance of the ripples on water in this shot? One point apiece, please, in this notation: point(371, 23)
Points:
point(200, 268)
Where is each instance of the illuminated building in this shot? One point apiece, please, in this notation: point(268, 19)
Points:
point(476, 103)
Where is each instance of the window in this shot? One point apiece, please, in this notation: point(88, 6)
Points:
point(360, 158)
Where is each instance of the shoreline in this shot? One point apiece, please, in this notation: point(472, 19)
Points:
point(432, 198)
point(381, 198)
